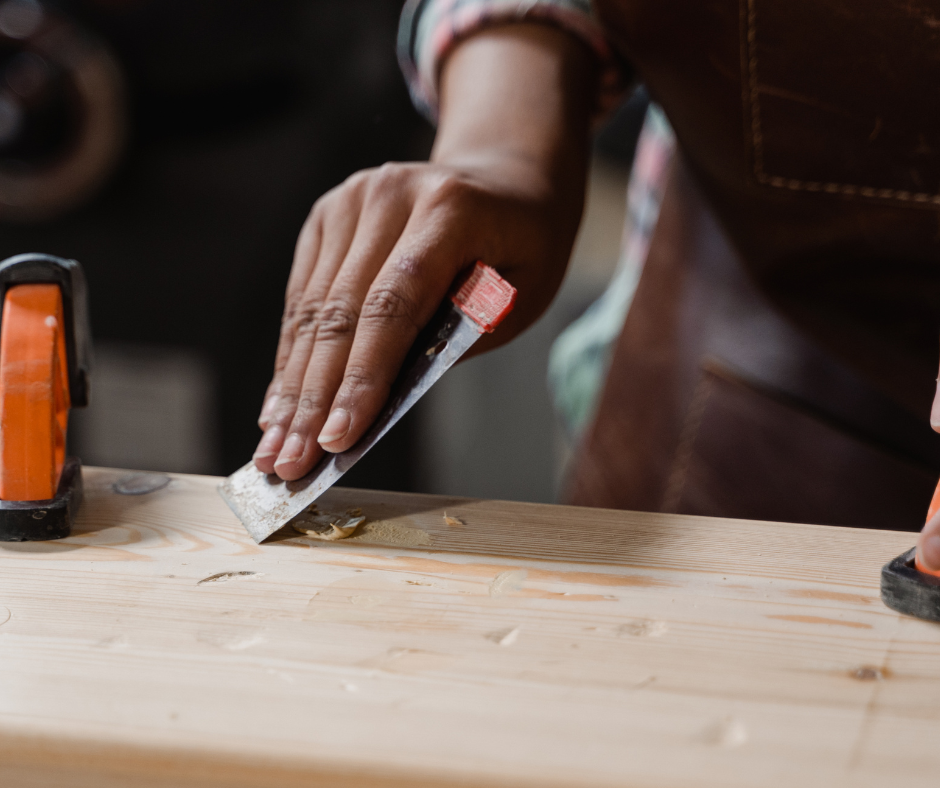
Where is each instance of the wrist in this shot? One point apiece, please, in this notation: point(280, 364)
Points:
point(517, 99)
point(519, 172)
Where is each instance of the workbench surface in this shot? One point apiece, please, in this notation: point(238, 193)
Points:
point(531, 645)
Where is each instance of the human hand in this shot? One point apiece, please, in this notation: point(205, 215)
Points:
point(928, 544)
point(373, 262)
point(378, 253)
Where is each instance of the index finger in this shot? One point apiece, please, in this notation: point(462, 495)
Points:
point(401, 300)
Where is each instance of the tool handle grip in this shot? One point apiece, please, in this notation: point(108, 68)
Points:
point(484, 296)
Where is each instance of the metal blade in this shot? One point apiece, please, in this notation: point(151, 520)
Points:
point(266, 503)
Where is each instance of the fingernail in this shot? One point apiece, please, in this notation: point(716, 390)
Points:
point(293, 449)
point(269, 443)
point(930, 553)
point(337, 425)
point(268, 410)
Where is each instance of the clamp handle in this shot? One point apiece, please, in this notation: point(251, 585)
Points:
point(34, 393)
point(43, 370)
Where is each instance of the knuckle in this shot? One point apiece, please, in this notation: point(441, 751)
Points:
point(310, 403)
point(315, 216)
point(334, 200)
point(357, 379)
point(286, 407)
point(336, 319)
point(302, 320)
point(354, 182)
point(387, 303)
point(281, 357)
point(410, 264)
point(448, 188)
point(385, 181)
point(291, 306)
point(320, 207)
point(391, 170)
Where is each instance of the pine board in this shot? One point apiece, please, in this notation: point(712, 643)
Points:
point(531, 646)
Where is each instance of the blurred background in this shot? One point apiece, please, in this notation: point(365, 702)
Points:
point(174, 148)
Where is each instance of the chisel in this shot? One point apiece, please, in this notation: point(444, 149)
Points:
point(477, 304)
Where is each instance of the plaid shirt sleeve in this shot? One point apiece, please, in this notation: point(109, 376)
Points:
point(429, 28)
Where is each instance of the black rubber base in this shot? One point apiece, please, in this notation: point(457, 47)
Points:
point(37, 521)
point(908, 591)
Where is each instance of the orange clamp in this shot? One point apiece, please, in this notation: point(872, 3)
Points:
point(34, 392)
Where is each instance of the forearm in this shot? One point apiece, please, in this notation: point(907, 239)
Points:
point(520, 96)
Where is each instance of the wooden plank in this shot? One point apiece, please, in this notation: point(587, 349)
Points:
point(530, 646)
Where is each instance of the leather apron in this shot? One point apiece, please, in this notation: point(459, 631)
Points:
point(780, 356)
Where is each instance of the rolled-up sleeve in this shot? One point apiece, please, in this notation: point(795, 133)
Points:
point(429, 28)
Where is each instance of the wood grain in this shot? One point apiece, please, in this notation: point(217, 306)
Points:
point(530, 645)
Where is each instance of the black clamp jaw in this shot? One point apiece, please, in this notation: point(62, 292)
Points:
point(909, 591)
point(26, 521)
point(39, 521)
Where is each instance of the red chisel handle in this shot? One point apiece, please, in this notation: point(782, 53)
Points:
point(484, 296)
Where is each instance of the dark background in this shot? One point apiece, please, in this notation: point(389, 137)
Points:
point(242, 112)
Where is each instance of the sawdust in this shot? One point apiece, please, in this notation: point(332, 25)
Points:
point(385, 532)
point(328, 526)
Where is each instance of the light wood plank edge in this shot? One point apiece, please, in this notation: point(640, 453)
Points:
point(31, 762)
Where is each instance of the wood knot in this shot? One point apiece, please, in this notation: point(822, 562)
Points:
point(867, 673)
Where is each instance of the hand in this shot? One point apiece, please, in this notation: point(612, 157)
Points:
point(928, 545)
point(378, 253)
point(374, 260)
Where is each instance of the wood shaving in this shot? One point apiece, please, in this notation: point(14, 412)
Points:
point(453, 521)
point(328, 526)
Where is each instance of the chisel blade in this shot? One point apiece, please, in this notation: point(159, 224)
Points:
point(265, 503)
